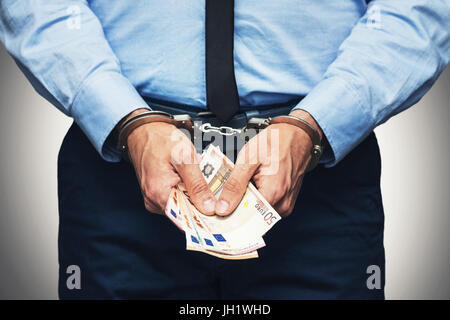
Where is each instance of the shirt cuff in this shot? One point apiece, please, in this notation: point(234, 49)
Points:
point(104, 99)
point(344, 119)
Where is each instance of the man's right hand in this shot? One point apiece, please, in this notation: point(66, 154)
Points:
point(163, 157)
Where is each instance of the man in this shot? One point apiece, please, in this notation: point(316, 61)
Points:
point(341, 67)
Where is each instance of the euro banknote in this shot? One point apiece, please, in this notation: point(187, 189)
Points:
point(236, 236)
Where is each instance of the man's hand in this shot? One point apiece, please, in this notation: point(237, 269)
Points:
point(276, 159)
point(163, 157)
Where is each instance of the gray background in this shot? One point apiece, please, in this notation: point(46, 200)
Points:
point(415, 183)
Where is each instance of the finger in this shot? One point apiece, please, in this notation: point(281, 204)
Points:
point(163, 196)
point(286, 205)
point(151, 207)
point(196, 186)
point(271, 189)
point(156, 192)
point(234, 189)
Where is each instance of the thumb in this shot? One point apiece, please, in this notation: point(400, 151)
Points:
point(234, 189)
point(199, 192)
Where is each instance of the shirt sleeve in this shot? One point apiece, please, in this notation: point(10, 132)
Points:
point(391, 58)
point(61, 48)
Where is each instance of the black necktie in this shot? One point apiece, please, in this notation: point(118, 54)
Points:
point(221, 91)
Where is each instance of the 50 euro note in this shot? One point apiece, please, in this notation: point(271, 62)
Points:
point(236, 236)
point(197, 237)
point(215, 239)
point(252, 218)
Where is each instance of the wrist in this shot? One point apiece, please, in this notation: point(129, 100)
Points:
point(305, 116)
point(115, 132)
point(137, 120)
point(131, 114)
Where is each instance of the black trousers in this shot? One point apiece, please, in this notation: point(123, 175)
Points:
point(321, 251)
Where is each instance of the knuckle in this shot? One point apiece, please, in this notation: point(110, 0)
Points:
point(160, 207)
point(182, 154)
point(148, 207)
point(198, 186)
point(288, 208)
point(279, 192)
point(272, 195)
point(149, 191)
point(164, 196)
point(232, 185)
point(145, 192)
point(285, 208)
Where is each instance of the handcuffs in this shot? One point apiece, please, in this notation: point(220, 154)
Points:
point(184, 121)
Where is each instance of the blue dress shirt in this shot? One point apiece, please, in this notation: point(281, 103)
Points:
point(358, 65)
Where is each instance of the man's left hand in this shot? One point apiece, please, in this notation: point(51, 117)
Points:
point(276, 159)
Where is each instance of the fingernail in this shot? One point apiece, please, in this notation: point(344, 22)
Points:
point(221, 206)
point(209, 205)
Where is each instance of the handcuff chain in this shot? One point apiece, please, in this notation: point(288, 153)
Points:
point(185, 121)
point(222, 130)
